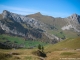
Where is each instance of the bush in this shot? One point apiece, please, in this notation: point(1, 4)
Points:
point(15, 54)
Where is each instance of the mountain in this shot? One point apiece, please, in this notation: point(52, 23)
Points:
point(62, 27)
point(30, 28)
point(73, 22)
point(39, 27)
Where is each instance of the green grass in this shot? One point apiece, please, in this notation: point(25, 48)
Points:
point(19, 40)
point(57, 33)
point(70, 34)
point(4, 37)
point(64, 34)
point(34, 43)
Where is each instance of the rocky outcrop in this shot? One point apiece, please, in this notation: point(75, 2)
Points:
point(73, 22)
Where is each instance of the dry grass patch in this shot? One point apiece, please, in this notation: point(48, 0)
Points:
point(67, 53)
point(5, 56)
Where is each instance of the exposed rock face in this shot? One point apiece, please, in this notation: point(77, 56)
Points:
point(73, 21)
point(24, 26)
point(8, 30)
point(68, 27)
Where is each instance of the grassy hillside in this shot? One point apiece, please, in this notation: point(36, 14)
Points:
point(20, 41)
point(65, 44)
point(69, 48)
point(71, 34)
point(64, 34)
point(59, 22)
point(40, 17)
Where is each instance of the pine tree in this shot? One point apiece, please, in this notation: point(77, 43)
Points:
point(39, 47)
point(42, 48)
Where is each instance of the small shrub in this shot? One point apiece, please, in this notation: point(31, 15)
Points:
point(15, 54)
point(39, 53)
point(39, 47)
point(15, 42)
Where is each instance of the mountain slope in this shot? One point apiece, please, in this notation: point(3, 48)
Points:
point(29, 28)
point(72, 21)
point(65, 45)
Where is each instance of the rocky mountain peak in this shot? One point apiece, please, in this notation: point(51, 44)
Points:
point(74, 16)
point(5, 13)
point(38, 13)
point(73, 22)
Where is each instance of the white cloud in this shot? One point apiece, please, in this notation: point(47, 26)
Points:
point(17, 9)
point(20, 10)
point(25, 11)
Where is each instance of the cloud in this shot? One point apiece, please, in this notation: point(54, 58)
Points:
point(20, 10)
point(26, 11)
point(23, 11)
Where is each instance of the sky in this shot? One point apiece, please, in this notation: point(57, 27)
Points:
point(55, 8)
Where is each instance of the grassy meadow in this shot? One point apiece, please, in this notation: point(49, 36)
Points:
point(68, 49)
point(20, 41)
